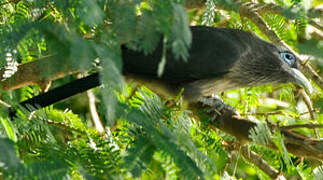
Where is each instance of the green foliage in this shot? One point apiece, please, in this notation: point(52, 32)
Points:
point(318, 172)
point(260, 134)
point(313, 47)
point(145, 136)
point(162, 138)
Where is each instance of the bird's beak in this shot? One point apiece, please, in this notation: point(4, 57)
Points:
point(301, 80)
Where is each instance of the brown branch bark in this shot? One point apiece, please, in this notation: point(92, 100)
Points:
point(195, 4)
point(238, 127)
point(277, 113)
point(317, 34)
point(38, 72)
point(257, 160)
point(308, 103)
point(316, 25)
point(308, 126)
point(63, 126)
point(295, 143)
point(94, 114)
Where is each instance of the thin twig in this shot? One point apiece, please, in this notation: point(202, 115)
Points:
point(258, 161)
point(94, 114)
point(194, 4)
point(317, 34)
point(277, 113)
point(62, 125)
point(5, 104)
point(251, 157)
point(308, 126)
point(308, 102)
point(316, 25)
point(262, 114)
point(309, 106)
point(34, 72)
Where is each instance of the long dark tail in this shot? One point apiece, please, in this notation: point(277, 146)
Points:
point(59, 93)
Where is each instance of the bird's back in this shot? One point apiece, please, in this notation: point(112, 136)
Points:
point(212, 53)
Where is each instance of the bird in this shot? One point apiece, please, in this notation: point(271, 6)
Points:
point(220, 59)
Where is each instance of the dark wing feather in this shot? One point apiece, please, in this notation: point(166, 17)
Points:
point(212, 54)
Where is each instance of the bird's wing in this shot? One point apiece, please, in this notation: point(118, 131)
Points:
point(213, 52)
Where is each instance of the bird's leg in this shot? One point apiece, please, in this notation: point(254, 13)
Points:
point(216, 106)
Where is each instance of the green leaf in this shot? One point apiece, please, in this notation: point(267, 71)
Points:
point(161, 141)
point(260, 134)
point(181, 33)
point(8, 157)
point(90, 13)
point(313, 47)
point(318, 172)
point(9, 129)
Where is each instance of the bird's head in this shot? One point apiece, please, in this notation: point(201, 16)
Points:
point(270, 64)
point(291, 66)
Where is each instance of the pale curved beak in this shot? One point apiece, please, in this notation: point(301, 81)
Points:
point(302, 80)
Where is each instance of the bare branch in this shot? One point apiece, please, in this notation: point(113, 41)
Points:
point(309, 106)
point(62, 125)
point(246, 11)
point(295, 143)
point(277, 113)
point(258, 161)
point(317, 34)
point(38, 72)
point(94, 114)
point(308, 102)
point(316, 25)
point(308, 126)
point(195, 4)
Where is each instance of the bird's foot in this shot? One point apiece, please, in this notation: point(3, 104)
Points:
point(216, 106)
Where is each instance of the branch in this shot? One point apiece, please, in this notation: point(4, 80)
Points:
point(315, 33)
point(94, 114)
point(308, 126)
point(316, 25)
point(62, 125)
point(257, 160)
point(308, 103)
point(277, 113)
point(195, 4)
point(38, 72)
point(295, 143)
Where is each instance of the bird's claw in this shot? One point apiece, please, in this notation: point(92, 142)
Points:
point(216, 106)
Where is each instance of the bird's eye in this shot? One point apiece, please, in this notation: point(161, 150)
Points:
point(288, 57)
